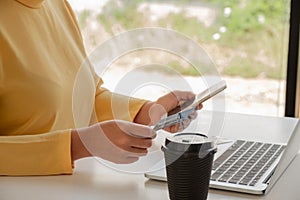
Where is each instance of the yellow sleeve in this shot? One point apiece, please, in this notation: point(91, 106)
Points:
point(41, 154)
point(109, 105)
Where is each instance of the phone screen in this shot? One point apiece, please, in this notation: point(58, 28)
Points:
point(200, 98)
point(181, 113)
point(208, 93)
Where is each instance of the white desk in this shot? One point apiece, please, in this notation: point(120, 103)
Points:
point(92, 180)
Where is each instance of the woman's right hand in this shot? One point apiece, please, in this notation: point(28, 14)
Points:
point(116, 141)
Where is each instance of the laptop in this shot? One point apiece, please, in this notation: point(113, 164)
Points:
point(248, 166)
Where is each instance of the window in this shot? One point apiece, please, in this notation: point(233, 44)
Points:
point(246, 39)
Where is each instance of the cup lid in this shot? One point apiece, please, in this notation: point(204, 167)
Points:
point(189, 142)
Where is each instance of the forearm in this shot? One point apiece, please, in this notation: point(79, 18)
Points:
point(109, 106)
point(41, 154)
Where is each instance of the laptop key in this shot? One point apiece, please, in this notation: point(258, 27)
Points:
point(215, 176)
point(252, 183)
point(234, 181)
point(227, 154)
point(244, 182)
point(223, 179)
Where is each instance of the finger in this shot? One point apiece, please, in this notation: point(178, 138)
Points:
point(128, 160)
point(129, 151)
point(141, 143)
point(193, 115)
point(173, 129)
point(178, 127)
point(142, 132)
point(200, 106)
point(136, 152)
point(183, 95)
point(173, 99)
point(185, 124)
point(138, 130)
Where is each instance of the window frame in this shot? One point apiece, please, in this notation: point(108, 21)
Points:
point(292, 80)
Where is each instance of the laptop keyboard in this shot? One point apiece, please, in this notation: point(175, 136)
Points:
point(245, 162)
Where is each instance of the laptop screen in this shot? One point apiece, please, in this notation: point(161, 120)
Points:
point(287, 157)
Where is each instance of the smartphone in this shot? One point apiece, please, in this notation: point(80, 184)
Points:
point(182, 112)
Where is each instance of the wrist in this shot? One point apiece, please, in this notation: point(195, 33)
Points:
point(78, 149)
point(142, 117)
point(150, 113)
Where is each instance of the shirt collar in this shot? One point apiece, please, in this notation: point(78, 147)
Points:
point(31, 3)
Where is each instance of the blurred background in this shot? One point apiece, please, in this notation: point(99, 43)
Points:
point(246, 39)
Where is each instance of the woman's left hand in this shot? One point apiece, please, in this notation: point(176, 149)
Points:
point(152, 112)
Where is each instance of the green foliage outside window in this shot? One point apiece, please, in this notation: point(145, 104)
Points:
point(254, 27)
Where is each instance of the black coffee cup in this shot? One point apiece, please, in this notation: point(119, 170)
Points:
point(189, 158)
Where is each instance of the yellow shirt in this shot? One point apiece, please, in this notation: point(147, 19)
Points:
point(45, 91)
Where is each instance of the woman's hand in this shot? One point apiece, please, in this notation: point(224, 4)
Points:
point(152, 112)
point(115, 141)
